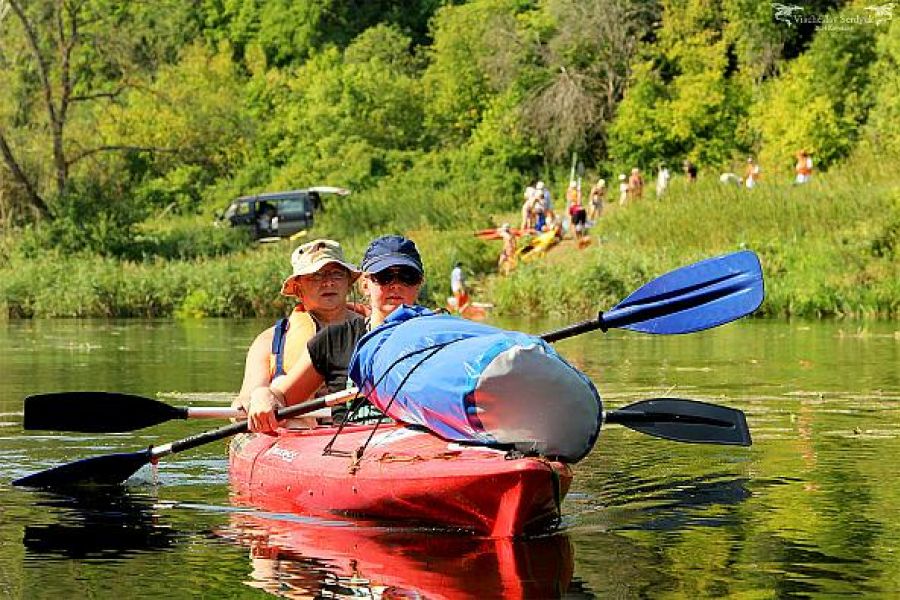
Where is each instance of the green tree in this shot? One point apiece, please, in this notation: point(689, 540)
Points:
point(465, 54)
point(60, 60)
point(290, 31)
point(684, 100)
point(193, 113)
point(584, 60)
point(342, 117)
point(883, 130)
point(822, 99)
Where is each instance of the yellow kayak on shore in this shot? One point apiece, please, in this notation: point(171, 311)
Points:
point(538, 245)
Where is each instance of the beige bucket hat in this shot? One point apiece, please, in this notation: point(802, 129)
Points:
point(312, 257)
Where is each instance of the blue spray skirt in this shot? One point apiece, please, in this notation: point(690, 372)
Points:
point(470, 382)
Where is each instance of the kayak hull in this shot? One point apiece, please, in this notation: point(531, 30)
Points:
point(403, 475)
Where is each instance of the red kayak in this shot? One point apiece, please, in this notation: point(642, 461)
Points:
point(309, 559)
point(403, 475)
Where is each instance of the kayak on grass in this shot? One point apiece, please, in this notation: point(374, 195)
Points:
point(403, 474)
point(538, 245)
point(307, 558)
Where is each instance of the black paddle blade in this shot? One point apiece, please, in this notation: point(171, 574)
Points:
point(684, 421)
point(109, 469)
point(96, 412)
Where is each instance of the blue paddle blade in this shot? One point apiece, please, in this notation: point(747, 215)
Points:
point(696, 297)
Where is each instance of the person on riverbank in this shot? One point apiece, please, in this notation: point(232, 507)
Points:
point(320, 282)
point(507, 260)
point(730, 179)
point(392, 276)
point(578, 215)
point(690, 171)
point(266, 221)
point(458, 288)
point(598, 196)
point(662, 181)
point(623, 189)
point(531, 193)
point(573, 194)
point(546, 201)
point(635, 185)
point(538, 208)
point(804, 167)
point(751, 175)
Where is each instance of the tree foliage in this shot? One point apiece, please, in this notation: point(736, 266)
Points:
point(823, 97)
point(62, 59)
point(290, 31)
point(883, 134)
point(685, 101)
point(470, 43)
point(586, 59)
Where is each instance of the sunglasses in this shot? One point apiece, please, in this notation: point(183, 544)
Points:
point(403, 276)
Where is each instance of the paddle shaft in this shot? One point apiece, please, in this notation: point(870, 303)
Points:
point(699, 296)
point(200, 439)
point(231, 413)
point(226, 412)
point(576, 329)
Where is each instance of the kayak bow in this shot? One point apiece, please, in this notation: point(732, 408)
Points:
point(404, 475)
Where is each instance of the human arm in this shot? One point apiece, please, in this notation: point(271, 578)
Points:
point(299, 384)
point(256, 368)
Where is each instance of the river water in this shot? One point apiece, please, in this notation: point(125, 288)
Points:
point(810, 510)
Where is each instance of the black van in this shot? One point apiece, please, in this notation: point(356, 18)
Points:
point(278, 214)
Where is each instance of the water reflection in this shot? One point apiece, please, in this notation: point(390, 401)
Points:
point(107, 523)
point(306, 558)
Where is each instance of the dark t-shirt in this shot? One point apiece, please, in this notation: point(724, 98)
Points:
point(331, 348)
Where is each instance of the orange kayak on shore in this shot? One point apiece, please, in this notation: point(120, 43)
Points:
point(494, 233)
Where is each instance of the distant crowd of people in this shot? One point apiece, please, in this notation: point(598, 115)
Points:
point(538, 214)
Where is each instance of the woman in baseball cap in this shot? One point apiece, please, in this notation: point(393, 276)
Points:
point(392, 275)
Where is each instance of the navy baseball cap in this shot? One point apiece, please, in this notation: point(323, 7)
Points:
point(391, 251)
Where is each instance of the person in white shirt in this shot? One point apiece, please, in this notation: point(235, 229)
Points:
point(662, 181)
point(458, 287)
point(623, 189)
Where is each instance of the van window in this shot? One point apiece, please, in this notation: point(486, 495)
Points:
point(294, 208)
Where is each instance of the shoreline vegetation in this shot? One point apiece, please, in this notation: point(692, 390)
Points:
point(828, 248)
point(118, 150)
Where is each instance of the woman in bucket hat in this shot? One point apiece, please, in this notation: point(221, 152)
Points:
point(320, 281)
point(392, 277)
